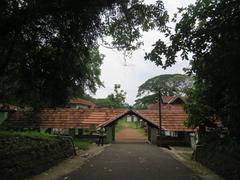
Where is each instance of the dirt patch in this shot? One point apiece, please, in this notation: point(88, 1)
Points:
point(70, 165)
point(130, 135)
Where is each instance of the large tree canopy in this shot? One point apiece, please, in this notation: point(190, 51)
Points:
point(208, 35)
point(49, 49)
point(113, 100)
point(167, 84)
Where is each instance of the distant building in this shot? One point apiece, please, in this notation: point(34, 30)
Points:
point(5, 109)
point(132, 118)
point(78, 103)
point(173, 117)
point(83, 115)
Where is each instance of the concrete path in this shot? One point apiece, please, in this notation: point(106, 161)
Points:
point(70, 164)
point(132, 162)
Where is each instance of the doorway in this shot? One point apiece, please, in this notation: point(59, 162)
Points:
point(130, 129)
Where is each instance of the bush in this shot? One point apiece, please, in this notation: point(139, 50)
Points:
point(222, 156)
point(23, 154)
point(82, 144)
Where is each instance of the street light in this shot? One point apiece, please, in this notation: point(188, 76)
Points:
point(160, 112)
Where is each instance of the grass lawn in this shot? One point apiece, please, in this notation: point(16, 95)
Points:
point(82, 144)
point(120, 124)
point(132, 125)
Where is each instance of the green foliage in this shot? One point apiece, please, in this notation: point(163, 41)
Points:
point(118, 97)
point(30, 134)
point(208, 35)
point(199, 112)
point(167, 84)
point(133, 125)
point(31, 152)
point(49, 49)
point(222, 155)
point(82, 144)
point(114, 100)
point(139, 105)
point(120, 125)
point(104, 103)
point(131, 18)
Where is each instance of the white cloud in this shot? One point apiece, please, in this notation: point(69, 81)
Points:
point(135, 71)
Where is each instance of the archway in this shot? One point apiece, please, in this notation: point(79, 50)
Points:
point(144, 130)
point(131, 129)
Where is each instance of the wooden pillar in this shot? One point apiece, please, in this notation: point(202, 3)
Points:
point(80, 132)
point(113, 132)
point(72, 132)
point(48, 130)
point(149, 132)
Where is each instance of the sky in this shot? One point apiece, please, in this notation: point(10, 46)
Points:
point(133, 72)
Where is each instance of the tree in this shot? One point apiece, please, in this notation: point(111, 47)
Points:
point(50, 81)
point(208, 35)
point(114, 100)
point(49, 49)
point(167, 84)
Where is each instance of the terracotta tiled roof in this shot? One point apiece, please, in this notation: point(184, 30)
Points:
point(167, 100)
point(82, 102)
point(173, 117)
point(129, 112)
point(62, 118)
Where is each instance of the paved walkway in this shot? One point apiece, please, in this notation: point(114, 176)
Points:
point(129, 135)
point(132, 162)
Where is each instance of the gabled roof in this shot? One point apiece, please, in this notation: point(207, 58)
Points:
point(129, 112)
point(82, 102)
point(168, 100)
point(177, 100)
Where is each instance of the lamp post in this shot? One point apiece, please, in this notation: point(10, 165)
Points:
point(159, 136)
point(160, 112)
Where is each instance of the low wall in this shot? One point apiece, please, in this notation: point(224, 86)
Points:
point(173, 141)
point(22, 156)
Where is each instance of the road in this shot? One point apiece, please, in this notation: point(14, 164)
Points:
point(132, 162)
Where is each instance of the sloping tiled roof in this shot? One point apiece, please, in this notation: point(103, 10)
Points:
point(173, 117)
point(129, 112)
point(167, 100)
point(82, 102)
point(177, 100)
point(62, 118)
